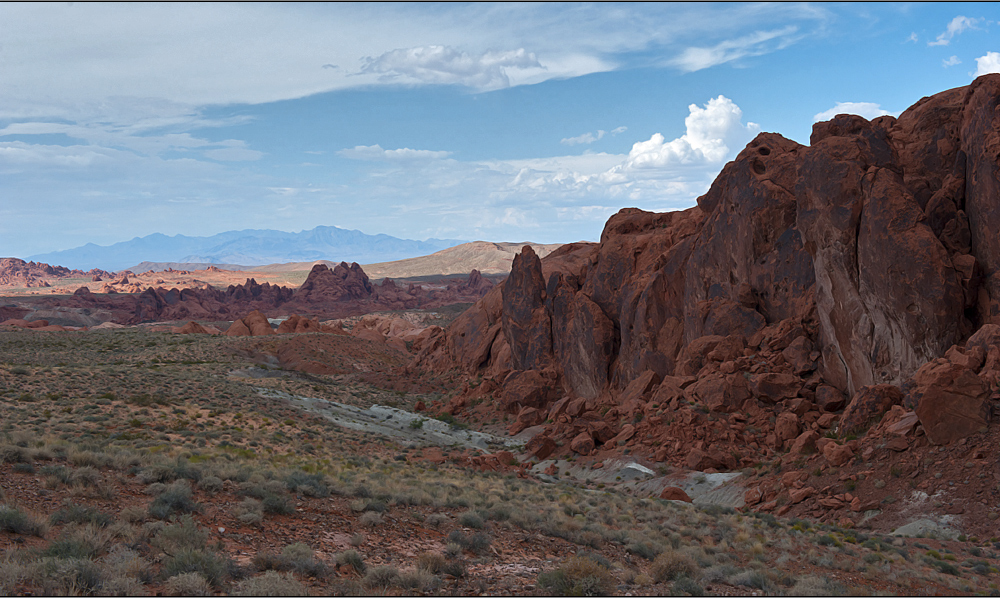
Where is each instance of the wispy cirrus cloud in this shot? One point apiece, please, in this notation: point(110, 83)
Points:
point(755, 44)
point(376, 153)
point(443, 65)
point(951, 61)
point(956, 26)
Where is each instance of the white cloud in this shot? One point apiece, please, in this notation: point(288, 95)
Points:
point(712, 133)
point(990, 63)
point(618, 130)
point(445, 65)
point(375, 152)
point(757, 43)
point(957, 26)
point(868, 110)
point(912, 38)
point(586, 138)
point(951, 61)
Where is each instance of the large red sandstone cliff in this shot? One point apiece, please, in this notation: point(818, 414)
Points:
point(854, 268)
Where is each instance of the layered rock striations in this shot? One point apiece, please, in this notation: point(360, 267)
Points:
point(806, 278)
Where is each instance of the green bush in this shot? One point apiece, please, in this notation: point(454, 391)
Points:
point(471, 519)
point(352, 558)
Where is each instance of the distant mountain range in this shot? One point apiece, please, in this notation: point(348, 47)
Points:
point(248, 248)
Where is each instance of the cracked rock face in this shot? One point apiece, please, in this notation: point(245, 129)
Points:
point(858, 258)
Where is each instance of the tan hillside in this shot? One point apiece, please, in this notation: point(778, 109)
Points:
point(487, 257)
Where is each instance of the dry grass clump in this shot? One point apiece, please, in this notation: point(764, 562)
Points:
point(270, 583)
point(16, 521)
point(579, 576)
point(671, 565)
point(187, 584)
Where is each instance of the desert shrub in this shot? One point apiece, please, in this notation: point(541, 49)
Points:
point(670, 565)
point(249, 512)
point(436, 520)
point(89, 459)
point(121, 586)
point(211, 566)
point(352, 558)
point(750, 578)
point(812, 585)
point(277, 504)
point(370, 519)
point(70, 548)
point(67, 576)
point(418, 580)
point(381, 577)
point(210, 484)
point(175, 499)
point(74, 513)
point(10, 453)
point(270, 584)
point(125, 562)
point(18, 522)
point(183, 535)
point(471, 519)
point(431, 562)
point(86, 476)
point(578, 576)
point(308, 484)
point(12, 573)
point(296, 557)
point(685, 586)
point(646, 550)
point(187, 584)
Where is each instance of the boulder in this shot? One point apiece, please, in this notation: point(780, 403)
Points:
point(952, 401)
point(674, 493)
point(829, 398)
point(837, 454)
point(805, 443)
point(775, 387)
point(530, 388)
point(868, 406)
point(582, 443)
point(540, 447)
point(787, 426)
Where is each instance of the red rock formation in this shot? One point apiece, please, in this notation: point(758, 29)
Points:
point(805, 277)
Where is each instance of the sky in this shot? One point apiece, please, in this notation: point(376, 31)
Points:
point(500, 122)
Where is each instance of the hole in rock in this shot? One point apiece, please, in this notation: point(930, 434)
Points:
point(759, 167)
point(764, 151)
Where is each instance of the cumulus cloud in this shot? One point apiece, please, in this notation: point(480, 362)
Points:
point(957, 26)
point(446, 65)
point(667, 173)
point(952, 61)
point(755, 44)
point(711, 134)
point(376, 153)
point(990, 63)
point(868, 110)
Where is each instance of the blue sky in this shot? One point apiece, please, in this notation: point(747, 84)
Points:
point(502, 122)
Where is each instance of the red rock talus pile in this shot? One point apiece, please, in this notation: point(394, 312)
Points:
point(852, 271)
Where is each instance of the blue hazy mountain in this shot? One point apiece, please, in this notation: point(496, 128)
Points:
point(247, 247)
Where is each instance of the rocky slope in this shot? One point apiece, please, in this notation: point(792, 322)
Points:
point(19, 273)
point(811, 291)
